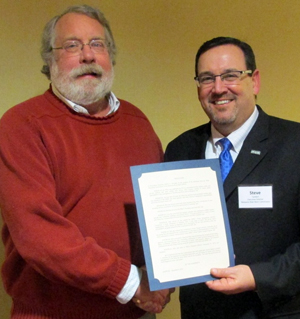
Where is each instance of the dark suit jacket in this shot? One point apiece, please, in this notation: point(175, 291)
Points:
point(265, 239)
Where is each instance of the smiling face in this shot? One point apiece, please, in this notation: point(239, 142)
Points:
point(227, 106)
point(86, 77)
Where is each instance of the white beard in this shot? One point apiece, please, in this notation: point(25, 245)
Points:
point(85, 91)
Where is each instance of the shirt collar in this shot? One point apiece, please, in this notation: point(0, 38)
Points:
point(238, 136)
point(113, 102)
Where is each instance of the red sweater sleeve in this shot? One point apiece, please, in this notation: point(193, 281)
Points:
point(64, 194)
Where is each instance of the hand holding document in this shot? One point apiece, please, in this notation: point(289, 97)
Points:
point(183, 221)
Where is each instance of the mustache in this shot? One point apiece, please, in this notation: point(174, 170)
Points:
point(87, 69)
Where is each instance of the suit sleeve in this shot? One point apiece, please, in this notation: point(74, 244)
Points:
point(280, 276)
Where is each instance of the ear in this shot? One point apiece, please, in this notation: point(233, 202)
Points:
point(256, 81)
point(198, 92)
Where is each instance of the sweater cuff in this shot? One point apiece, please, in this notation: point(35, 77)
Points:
point(131, 285)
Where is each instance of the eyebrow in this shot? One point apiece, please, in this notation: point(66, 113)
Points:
point(74, 38)
point(210, 73)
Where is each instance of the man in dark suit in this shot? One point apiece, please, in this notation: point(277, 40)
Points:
point(262, 190)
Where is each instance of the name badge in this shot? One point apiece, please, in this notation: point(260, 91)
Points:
point(256, 196)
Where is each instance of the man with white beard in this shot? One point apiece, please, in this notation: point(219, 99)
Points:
point(72, 241)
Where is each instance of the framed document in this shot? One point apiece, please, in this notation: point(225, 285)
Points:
point(183, 221)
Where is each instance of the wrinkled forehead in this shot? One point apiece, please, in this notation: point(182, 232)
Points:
point(77, 26)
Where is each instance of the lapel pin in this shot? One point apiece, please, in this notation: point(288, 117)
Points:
point(255, 152)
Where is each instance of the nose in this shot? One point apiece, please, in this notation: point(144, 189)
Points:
point(87, 55)
point(218, 86)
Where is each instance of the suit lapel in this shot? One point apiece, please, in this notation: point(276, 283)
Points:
point(253, 151)
point(203, 140)
point(196, 145)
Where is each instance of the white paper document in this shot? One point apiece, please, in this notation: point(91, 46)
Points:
point(183, 220)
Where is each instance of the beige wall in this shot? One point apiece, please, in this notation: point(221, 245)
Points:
point(157, 41)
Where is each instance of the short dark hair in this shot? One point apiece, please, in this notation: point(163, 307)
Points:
point(215, 42)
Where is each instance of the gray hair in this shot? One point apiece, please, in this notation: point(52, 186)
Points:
point(48, 36)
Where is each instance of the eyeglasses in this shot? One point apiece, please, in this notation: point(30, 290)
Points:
point(228, 78)
point(75, 46)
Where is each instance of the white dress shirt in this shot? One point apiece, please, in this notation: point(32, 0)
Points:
point(214, 149)
point(113, 102)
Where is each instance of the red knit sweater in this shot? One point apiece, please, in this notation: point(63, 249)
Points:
point(70, 227)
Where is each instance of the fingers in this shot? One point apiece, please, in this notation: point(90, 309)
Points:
point(221, 272)
point(232, 280)
point(150, 306)
point(151, 301)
